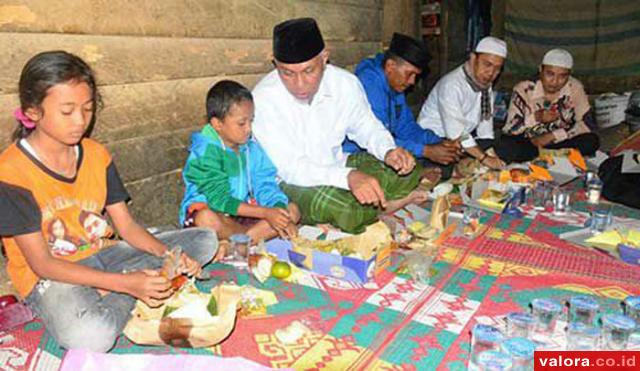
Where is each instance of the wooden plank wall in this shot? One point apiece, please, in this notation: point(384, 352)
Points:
point(401, 16)
point(155, 61)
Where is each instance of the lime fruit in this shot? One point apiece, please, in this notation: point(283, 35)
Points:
point(281, 270)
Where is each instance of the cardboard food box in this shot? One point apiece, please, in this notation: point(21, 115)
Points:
point(350, 257)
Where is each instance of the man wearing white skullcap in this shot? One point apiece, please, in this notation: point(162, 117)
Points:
point(460, 108)
point(558, 58)
point(551, 111)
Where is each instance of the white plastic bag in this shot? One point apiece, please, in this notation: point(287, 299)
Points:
point(609, 109)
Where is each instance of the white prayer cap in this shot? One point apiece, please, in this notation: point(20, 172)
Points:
point(558, 58)
point(492, 45)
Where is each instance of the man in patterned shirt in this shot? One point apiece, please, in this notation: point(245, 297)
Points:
point(552, 111)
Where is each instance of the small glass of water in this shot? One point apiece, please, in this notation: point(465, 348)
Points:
point(545, 314)
point(583, 309)
point(483, 338)
point(582, 337)
point(598, 221)
point(561, 201)
point(418, 266)
point(519, 324)
point(539, 196)
point(601, 218)
point(616, 329)
point(239, 247)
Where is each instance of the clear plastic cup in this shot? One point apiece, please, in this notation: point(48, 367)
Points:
point(470, 221)
point(418, 266)
point(582, 337)
point(545, 314)
point(601, 218)
point(521, 352)
point(616, 329)
point(583, 309)
point(632, 308)
point(561, 201)
point(634, 341)
point(539, 196)
point(519, 324)
point(483, 338)
point(239, 247)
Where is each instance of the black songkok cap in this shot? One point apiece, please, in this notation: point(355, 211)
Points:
point(410, 49)
point(297, 40)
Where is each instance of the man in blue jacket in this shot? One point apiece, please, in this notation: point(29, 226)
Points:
point(385, 78)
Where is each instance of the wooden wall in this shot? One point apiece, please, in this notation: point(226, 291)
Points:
point(401, 16)
point(155, 61)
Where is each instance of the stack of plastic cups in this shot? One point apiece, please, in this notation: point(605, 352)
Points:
point(581, 333)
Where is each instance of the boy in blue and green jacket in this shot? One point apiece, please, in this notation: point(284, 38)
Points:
point(230, 181)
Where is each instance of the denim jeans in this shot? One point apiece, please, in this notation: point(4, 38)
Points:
point(79, 317)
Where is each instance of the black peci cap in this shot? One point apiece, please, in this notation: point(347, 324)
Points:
point(410, 49)
point(297, 40)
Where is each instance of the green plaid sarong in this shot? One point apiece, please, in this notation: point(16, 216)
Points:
point(338, 207)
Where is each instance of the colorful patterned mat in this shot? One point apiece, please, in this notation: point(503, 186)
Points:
point(393, 323)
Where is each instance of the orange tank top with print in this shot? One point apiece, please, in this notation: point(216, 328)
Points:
point(72, 220)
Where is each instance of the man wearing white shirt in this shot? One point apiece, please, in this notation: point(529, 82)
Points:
point(460, 106)
point(304, 109)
